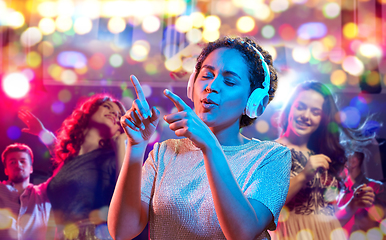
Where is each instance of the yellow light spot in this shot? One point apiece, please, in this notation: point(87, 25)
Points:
point(82, 25)
point(48, 9)
point(350, 30)
point(64, 95)
point(184, 24)
point(140, 50)
point(55, 71)
point(30, 37)
point(194, 35)
point(338, 234)
point(15, 19)
point(94, 217)
point(262, 126)
point(212, 23)
point(68, 77)
point(198, 19)
point(305, 234)
point(173, 64)
point(46, 48)
point(301, 54)
point(47, 26)
point(373, 78)
point(81, 70)
point(71, 231)
point(210, 36)
point(175, 7)
point(116, 25)
point(6, 217)
point(151, 24)
point(338, 77)
point(33, 59)
point(245, 24)
point(63, 23)
point(284, 214)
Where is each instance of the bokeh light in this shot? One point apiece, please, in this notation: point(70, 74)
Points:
point(47, 26)
point(338, 77)
point(312, 30)
point(72, 59)
point(370, 50)
point(212, 23)
point(287, 32)
point(374, 234)
point(245, 24)
point(29, 73)
point(64, 95)
point(82, 25)
point(350, 117)
point(15, 19)
point(198, 19)
point(13, 132)
point(301, 54)
point(97, 60)
point(268, 31)
point(65, 7)
point(116, 25)
point(210, 36)
point(151, 24)
point(175, 7)
point(6, 217)
point(48, 9)
point(33, 59)
point(284, 214)
point(262, 126)
point(331, 10)
point(63, 23)
point(279, 5)
point(46, 138)
point(194, 35)
point(57, 107)
point(140, 50)
point(116, 60)
point(358, 235)
point(353, 65)
point(173, 64)
point(184, 24)
point(68, 77)
point(304, 234)
point(16, 85)
point(350, 30)
point(46, 48)
point(30, 37)
point(337, 234)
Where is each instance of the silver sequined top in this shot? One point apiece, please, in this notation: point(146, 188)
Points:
point(175, 184)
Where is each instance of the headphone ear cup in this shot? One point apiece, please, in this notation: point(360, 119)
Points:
point(189, 89)
point(257, 102)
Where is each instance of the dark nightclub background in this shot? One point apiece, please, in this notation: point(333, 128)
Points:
point(56, 53)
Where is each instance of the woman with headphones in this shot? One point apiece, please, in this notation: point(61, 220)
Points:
point(214, 183)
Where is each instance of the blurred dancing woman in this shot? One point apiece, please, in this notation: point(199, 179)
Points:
point(89, 152)
point(215, 183)
point(309, 128)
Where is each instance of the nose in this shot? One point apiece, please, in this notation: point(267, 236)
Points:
point(306, 115)
point(214, 85)
point(114, 113)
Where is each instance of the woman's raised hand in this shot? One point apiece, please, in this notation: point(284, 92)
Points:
point(315, 163)
point(140, 121)
point(186, 123)
point(34, 125)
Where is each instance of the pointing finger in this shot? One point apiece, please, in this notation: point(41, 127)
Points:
point(178, 102)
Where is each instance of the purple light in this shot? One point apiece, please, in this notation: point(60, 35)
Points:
point(312, 30)
point(13, 132)
point(351, 117)
point(72, 59)
point(57, 107)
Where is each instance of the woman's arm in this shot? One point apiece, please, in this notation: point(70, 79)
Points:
point(128, 215)
point(298, 182)
point(363, 197)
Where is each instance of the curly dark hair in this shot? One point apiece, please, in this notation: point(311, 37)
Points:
point(326, 139)
point(71, 133)
point(252, 60)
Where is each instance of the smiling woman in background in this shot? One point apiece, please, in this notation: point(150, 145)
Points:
point(309, 123)
point(215, 183)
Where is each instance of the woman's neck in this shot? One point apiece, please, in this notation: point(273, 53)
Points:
point(229, 136)
point(92, 138)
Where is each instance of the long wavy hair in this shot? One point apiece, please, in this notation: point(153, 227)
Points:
point(251, 59)
point(71, 134)
point(326, 139)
